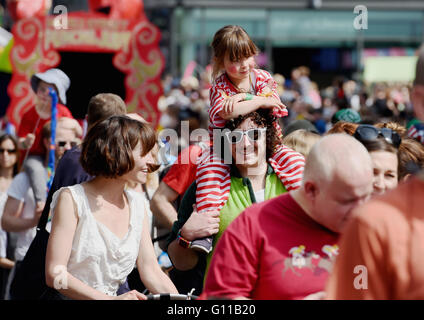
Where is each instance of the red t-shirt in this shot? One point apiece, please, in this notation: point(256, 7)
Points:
point(28, 122)
point(273, 250)
point(183, 172)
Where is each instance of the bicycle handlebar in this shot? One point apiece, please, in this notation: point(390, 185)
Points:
point(171, 296)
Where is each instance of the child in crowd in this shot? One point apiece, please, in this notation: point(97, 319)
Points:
point(32, 122)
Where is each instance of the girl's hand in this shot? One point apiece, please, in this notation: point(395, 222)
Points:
point(270, 103)
point(228, 104)
point(131, 295)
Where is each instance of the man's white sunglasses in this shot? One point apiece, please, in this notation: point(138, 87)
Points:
point(237, 135)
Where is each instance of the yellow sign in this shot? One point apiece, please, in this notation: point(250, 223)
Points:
point(390, 69)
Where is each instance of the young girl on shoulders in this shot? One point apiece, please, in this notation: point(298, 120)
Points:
point(238, 89)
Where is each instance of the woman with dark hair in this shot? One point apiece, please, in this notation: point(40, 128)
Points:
point(383, 146)
point(250, 140)
point(100, 228)
point(8, 145)
point(9, 163)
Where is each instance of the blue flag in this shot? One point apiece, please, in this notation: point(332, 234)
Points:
point(51, 161)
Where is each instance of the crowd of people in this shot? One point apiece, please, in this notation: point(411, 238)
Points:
point(188, 99)
point(289, 192)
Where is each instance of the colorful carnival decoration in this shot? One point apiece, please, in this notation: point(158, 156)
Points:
point(135, 42)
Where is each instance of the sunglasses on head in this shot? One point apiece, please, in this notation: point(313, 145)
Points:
point(62, 144)
point(237, 135)
point(7, 150)
point(366, 132)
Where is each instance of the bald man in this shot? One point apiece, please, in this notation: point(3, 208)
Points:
point(284, 248)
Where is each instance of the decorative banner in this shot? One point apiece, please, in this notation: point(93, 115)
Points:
point(136, 43)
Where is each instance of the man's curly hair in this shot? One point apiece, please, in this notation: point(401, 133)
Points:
point(264, 119)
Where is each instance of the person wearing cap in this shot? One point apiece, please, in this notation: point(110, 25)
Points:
point(382, 248)
point(348, 115)
point(32, 122)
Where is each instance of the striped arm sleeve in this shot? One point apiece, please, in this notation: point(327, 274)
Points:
point(213, 183)
point(288, 165)
point(217, 97)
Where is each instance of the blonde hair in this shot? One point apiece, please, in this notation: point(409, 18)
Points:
point(234, 41)
point(410, 150)
point(301, 141)
point(394, 126)
point(63, 123)
point(71, 124)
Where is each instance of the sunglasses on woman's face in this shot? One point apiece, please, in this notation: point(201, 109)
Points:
point(236, 136)
point(7, 150)
point(366, 132)
point(62, 144)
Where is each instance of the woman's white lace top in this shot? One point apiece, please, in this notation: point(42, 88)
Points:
point(99, 258)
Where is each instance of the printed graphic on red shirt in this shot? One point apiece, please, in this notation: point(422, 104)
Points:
point(300, 259)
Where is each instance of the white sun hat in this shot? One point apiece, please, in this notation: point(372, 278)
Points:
point(53, 76)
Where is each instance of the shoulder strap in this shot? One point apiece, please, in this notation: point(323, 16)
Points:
point(52, 198)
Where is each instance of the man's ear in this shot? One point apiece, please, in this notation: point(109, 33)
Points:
point(311, 190)
point(406, 177)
